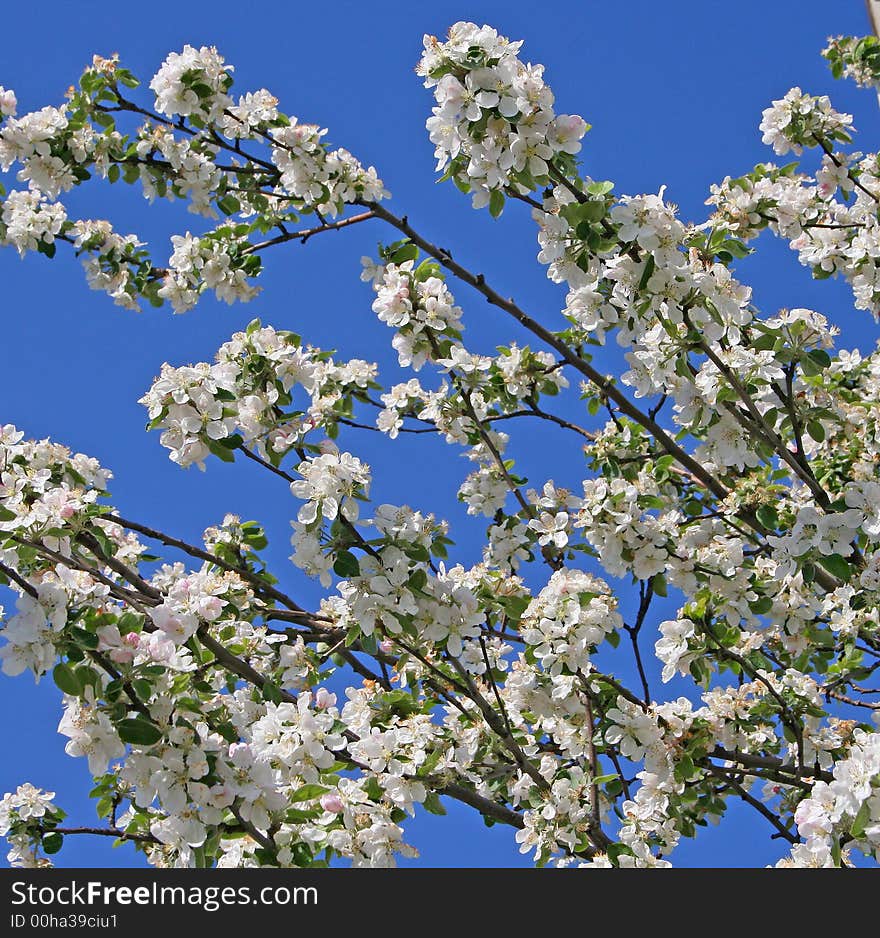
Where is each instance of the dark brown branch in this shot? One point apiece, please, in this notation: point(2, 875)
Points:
point(487, 808)
point(303, 236)
point(602, 382)
point(750, 760)
point(236, 665)
point(20, 580)
point(646, 594)
point(104, 832)
point(136, 702)
point(732, 783)
point(260, 585)
point(127, 574)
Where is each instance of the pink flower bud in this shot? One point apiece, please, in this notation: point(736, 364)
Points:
point(332, 802)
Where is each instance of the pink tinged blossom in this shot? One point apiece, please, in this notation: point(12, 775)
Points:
point(324, 699)
point(332, 802)
point(8, 102)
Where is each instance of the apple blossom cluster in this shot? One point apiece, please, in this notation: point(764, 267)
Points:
point(195, 84)
point(480, 388)
point(24, 815)
point(112, 262)
point(417, 303)
point(571, 615)
point(29, 220)
point(829, 218)
point(43, 487)
point(188, 148)
point(799, 120)
point(181, 778)
point(330, 486)
point(274, 752)
point(855, 58)
point(191, 83)
point(315, 177)
point(212, 263)
point(845, 810)
point(616, 518)
point(8, 102)
point(494, 126)
point(31, 634)
point(240, 400)
point(209, 703)
point(831, 235)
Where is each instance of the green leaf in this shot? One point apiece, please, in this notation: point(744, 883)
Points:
point(836, 565)
point(129, 622)
point(84, 638)
point(603, 779)
point(820, 357)
point(6, 514)
point(88, 677)
point(104, 806)
point(658, 581)
point(308, 792)
point(650, 264)
point(861, 821)
point(222, 452)
point(417, 552)
point(767, 516)
point(138, 731)
point(433, 805)
point(142, 688)
point(592, 211)
point(373, 789)
point(496, 203)
point(66, 679)
point(229, 205)
point(370, 644)
point(271, 692)
point(52, 843)
point(816, 430)
point(346, 564)
point(600, 188)
point(736, 248)
point(684, 769)
point(406, 252)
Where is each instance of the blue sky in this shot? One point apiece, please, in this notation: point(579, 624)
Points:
point(674, 93)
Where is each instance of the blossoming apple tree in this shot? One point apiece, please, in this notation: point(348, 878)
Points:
point(734, 466)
